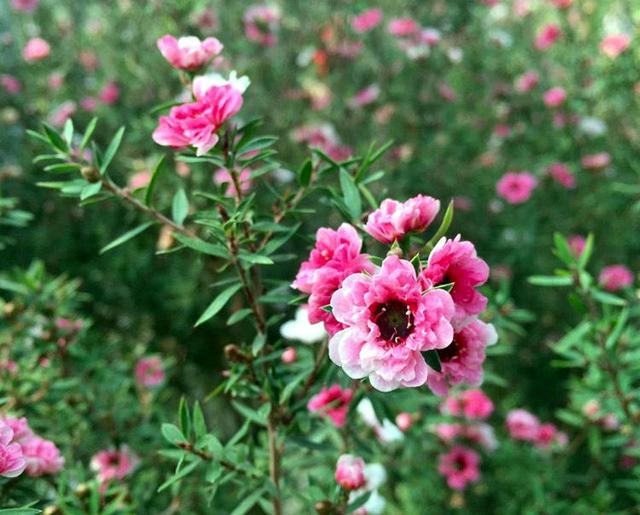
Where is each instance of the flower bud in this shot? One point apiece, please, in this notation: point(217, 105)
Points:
point(234, 354)
point(90, 174)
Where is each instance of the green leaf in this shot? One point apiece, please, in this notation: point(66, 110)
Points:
point(550, 280)
point(574, 336)
point(433, 360)
point(260, 143)
point(249, 502)
point(180, 207)
point(304, 174)
point(185, 417)
point(90, 190)
point(255, 259)
point(239, 315)
point(111, 150)
point(563, 250)
point(62, 168)
point(67, 132)
point(19, 511)
point(614, 336)
point(442, 230)
point(179, 475)
point(358, 502)
point(212, 249)
point(350, 195)
point(199, 423)
point(148, 194)
point(218, 303)
point(55, 139)
point(91, 126)
point(258, 343)
point(172, 434)
point(586, 252)
point(254, 415)
point(38, 136)
point(292, 385)
point(126, 237)
point(607, 298)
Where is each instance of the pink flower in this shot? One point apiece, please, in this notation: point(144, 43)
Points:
point(546, 435)
point(389, 321)
point(289, 355)
point(577, 244)
point(12, 462)
point(615, 277)
point(555, 97)
point(596, 161)
point(19, 426)
point(562, 175)
point(614, 44)
point(149, 371)
point(222, 176)
point(335, 256)
point(366, 20)
point(456, 261)
point(516, 187)
point(188, 52)
point(55, 80)
point(365, 96)
point(447, 92)
point(114, 463)
point(195, 124)
point(393, 219)
point(89, 60)
point(461, 362)
point(481, 434)
point(333, 403)
point(139, 180)
point(527, 81)
point(490, 3)
point(89, 104)
point(36, 49)
point(448, 432)
point(522, 425)
point(110, 93)
point(403, 27)
point(24, 5)
point(474, 404)
point(404, 421)
point(62, 113)
point(42, 457)
point(561, 4)
point(261, 23)
point(350, 472)
point(460, 466)
point(547, 36)
point(10, 84)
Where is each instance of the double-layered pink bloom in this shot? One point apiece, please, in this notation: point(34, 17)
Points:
point(350, 472)
point(114, 464)
point(403, 27)
point(42, 456)
point(473, 404)
point(516, 187)
point(333, 403)
point(555, 97)
point(366, 20)
point(12, 462)
point(195, 124)
point(188, 52)
point(547, 36)
point(389, 321)
point(36, 49)
point(149, 371)
point(562, 175)
point(393, 219)
point(527, 81)
point(615, 277)
point(460, 467)
point(522, 425)
point(614, 44)
point(335, 256)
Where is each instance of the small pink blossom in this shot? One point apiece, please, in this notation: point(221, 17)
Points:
point(55, 80)
point(614, 44)
point(222, 176)
point(447, 92)
point(473, 404)
point(577, 244)
point(261, 24)
point(89, 60)
point(615, 277)
point(591, 408)
point(10, 84)
point(89, 104)
point(490, 3)
point(460, 467)
point(110, 93)
point(114, 464)
point(36, 49)
point(393, 220)
point(366, 20)
point(516, 187)
point(20, 428)
point(149, 371)
point(403, 27)
point(548, 435)
point(12, 462)
point(62, 113)
point(456, 261)
point(195, 124)
point(333, 403)
point(24, 5)
point(462, 203)
point(562, 4)
point(562, 175)
point(404, 421)
point(139, 180)
point(42, 457)
point(365, 96)
point(522, 425)
point(527, 81)
point(547, 36)
point(289, 355)
point(596, 161)
point(389, 321)
point(461, 362)
point(555, 97)
point(188, 52)
point(350, 472)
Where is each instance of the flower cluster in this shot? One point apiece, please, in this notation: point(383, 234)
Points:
point(522, 425)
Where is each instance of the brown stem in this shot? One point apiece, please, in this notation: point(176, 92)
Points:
point(207, 456)
point(274, 461)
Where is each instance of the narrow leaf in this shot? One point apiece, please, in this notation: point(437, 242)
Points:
point(126, 237)
point(111, 150)
point(180, 207)
point(218, 303)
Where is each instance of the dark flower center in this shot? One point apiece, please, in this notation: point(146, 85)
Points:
point(460, 463)
point(395, 321)
point(450, 352)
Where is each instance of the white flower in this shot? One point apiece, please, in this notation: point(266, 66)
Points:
point(455, 54)
point(203, 82)
point(592, 126)
point(387, 432)
point(375, 475)
point(301, 330)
